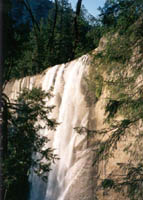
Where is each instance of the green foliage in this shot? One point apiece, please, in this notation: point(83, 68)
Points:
point(107, 183)
point(114, 58)
point(121, 46)
point(35, 50)
point(120, 14)
point(93, 36)
point(130, 185)
point(112, 108)
point(94, 81)
point(26, 149)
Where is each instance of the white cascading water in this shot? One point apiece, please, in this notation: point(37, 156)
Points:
point(71, 176)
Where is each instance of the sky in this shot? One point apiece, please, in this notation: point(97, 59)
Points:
point(90, 5)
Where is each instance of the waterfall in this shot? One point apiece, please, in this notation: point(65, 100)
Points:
point(71, 176)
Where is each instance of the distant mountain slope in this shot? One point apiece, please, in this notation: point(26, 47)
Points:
point(40, 10)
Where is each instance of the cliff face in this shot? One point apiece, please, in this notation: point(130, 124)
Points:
point(74, 176)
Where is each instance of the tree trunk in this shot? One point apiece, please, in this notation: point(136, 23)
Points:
point(34, 21)
point(51, 40)
point(76, 28)
point(1, 67)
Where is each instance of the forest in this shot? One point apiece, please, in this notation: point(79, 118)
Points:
point(44, 34)
point(38, 35)
point(41, 34)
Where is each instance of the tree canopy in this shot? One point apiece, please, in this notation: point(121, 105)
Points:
point(43, 34)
